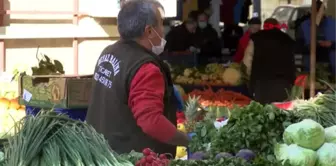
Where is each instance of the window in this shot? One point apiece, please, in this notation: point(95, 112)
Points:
point(295, 15)
point(282, 14)
point(303, 11)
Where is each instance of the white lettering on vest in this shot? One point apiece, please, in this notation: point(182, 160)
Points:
point(103, 75)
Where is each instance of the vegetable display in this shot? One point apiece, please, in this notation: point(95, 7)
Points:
point(321, 109)
point(226, 129)
point(254, 127)
point(221, 98)
point(296, 155)
point(10, 112)
point(152, 158)
point(330, 134)
point(212, 74)
point(305, 145)
point(51, 139)
point(326, 155)
point(307, 133)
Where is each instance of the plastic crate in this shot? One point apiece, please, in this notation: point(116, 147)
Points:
point(189, 60)
point(77, 114)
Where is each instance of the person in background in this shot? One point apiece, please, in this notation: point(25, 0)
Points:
point(325, 47)
point(206, 39)
point(269, 63)
point(231, 36)
point(133, 103)
point(254, 26)
point(181, 38)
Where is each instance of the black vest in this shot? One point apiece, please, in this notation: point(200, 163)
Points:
point(109, 112)
point(273, 57)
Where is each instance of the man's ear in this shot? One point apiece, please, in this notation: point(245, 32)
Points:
point(149, 32)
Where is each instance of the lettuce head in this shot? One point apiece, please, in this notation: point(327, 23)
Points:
point(307, 134)
point(330, 134)
point(295, 155)
point(326, 155)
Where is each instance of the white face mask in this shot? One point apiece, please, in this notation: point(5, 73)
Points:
point(158, 49)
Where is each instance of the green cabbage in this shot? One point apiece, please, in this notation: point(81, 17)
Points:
point(330, 134)
point(295, 155)
point(307, 133)
point(280, 151)
point(326, 155)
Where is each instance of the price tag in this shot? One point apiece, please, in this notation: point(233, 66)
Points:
point(26, 95)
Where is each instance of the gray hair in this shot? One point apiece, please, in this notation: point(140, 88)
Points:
point(135, 15)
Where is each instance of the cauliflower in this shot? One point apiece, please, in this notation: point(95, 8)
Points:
point(231, 76)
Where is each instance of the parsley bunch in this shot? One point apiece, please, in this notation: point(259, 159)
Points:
point(255, 127)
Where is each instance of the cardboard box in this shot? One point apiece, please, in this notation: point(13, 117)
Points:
point(55, 91)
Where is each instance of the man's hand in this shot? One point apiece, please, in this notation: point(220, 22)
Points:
point(179, 139)
point(326, 44)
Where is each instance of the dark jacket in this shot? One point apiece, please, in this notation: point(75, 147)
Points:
point(207, 40)
point(179, 39)
point(273, 56)
point(109, 112)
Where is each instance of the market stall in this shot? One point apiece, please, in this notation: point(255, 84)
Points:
point(226, 127)
point(303, 134)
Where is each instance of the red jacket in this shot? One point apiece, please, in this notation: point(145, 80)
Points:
point(243, 43)
point(146, 102)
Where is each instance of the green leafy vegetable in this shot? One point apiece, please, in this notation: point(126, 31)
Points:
point(330, 134)
point(326, 155)
point(307, 133)
point(53, 140)
point(298, 156)
point(254, 127)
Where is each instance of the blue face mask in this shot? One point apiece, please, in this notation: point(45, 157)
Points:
point(202, 24)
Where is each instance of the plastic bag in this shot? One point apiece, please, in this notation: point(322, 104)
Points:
point(326, 155)
point(330, 134)
point(307, 134)
point(295, 155)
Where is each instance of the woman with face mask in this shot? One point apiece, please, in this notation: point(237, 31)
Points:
point(206, 39)
point(133, 101)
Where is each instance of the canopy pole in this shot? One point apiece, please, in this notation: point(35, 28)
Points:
point(313, 48)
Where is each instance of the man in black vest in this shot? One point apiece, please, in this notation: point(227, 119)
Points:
point(269, 61)
point(133, 102)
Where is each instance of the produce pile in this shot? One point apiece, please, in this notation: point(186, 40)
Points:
point(221, 98)
point(212, 74)
point(259, 129)
point(321, 109)
point(307, 143)
point(50, 139)
point(10, 112)
point(151, 158)
point(255, 127)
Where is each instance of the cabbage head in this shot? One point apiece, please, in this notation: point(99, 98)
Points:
point(330, 134)
point(307, 134)
point(280, 151)
point(295, 155)
point(326, 155)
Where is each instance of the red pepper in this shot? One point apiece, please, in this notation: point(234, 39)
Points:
point(301, 80)
point(180, 115)
point(180, 121)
